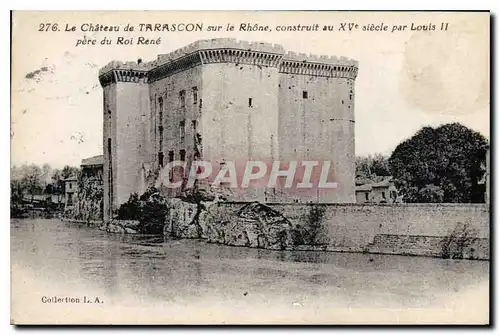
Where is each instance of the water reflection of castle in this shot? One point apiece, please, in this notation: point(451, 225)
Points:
point(222, 100)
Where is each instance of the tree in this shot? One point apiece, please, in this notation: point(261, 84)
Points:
point(46, 173)
point(363, 167)
point(370, 166)
point(441, 164)
point(380, 165)
point(57, 184)
point(17, 172)
point(69, 171)
point(32, 180)
point(16, 191)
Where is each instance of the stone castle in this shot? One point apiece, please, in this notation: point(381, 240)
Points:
point(223, 99)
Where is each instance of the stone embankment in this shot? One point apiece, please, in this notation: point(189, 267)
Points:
point(458, 231)
point(121, 226)
point(437, 230)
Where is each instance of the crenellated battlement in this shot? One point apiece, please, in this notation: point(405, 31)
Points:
point(219, 43)
point(321, 59)
point(318, 69)
point(230, 50)
point(117, 65)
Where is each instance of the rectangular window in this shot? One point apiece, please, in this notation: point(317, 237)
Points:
point(249, 102)
point(195, 95)
point(193, 124)
point(304, 94)
point(182, 96)
point(383, 195)
point(170, 160)
point(182, 153)
point(182, 129)
point(160, 112)
point(160, 159)
point(109, 147)
point(366, 196)
point(160, 122)
point(201, 103)
point(70, 186)
point(160, 134)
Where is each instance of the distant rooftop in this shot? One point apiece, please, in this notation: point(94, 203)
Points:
point(365, 187)
point(384, 183)
point(95, 160)
point(368, 185)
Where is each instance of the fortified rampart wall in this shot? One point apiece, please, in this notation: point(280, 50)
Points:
point(437, 230)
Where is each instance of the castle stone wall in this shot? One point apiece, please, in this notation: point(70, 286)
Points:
point(132, 111)
point(249, 106)
point(109, 159)
point(317, 123)
point(463, 230)
point(175, 115)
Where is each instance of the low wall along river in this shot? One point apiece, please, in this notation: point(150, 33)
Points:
point(438, 230)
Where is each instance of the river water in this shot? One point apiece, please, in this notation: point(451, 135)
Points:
point(51, 258)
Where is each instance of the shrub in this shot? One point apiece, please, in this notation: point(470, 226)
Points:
point(130, 210)
point(314, 228)
point(149, 209)
point(462, 237)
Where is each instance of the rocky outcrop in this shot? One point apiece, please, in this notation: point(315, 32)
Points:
point(257, 226)
point(122, 226)
point(182, 219)
point(253, 225)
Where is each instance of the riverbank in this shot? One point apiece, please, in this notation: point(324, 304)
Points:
point(157, 280)
point(459, 231)
point(87, 222)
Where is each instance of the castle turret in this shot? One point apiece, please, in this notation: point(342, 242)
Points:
point(125, 133)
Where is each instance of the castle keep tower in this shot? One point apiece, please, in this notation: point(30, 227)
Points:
point(226, 100)
point(316, 113)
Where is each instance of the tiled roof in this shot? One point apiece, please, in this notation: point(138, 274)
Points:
point(384, 183)
point(365, 187)
point(96, 160)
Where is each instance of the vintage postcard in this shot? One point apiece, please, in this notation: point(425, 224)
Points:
point(316, 167)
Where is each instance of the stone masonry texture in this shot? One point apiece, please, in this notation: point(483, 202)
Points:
point(221, 100)
point(437, 230)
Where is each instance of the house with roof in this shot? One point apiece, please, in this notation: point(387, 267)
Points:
point(382, 191)
point(70, 188)
point(92, 167)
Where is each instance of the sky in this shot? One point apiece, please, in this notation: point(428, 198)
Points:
point(406, 80)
